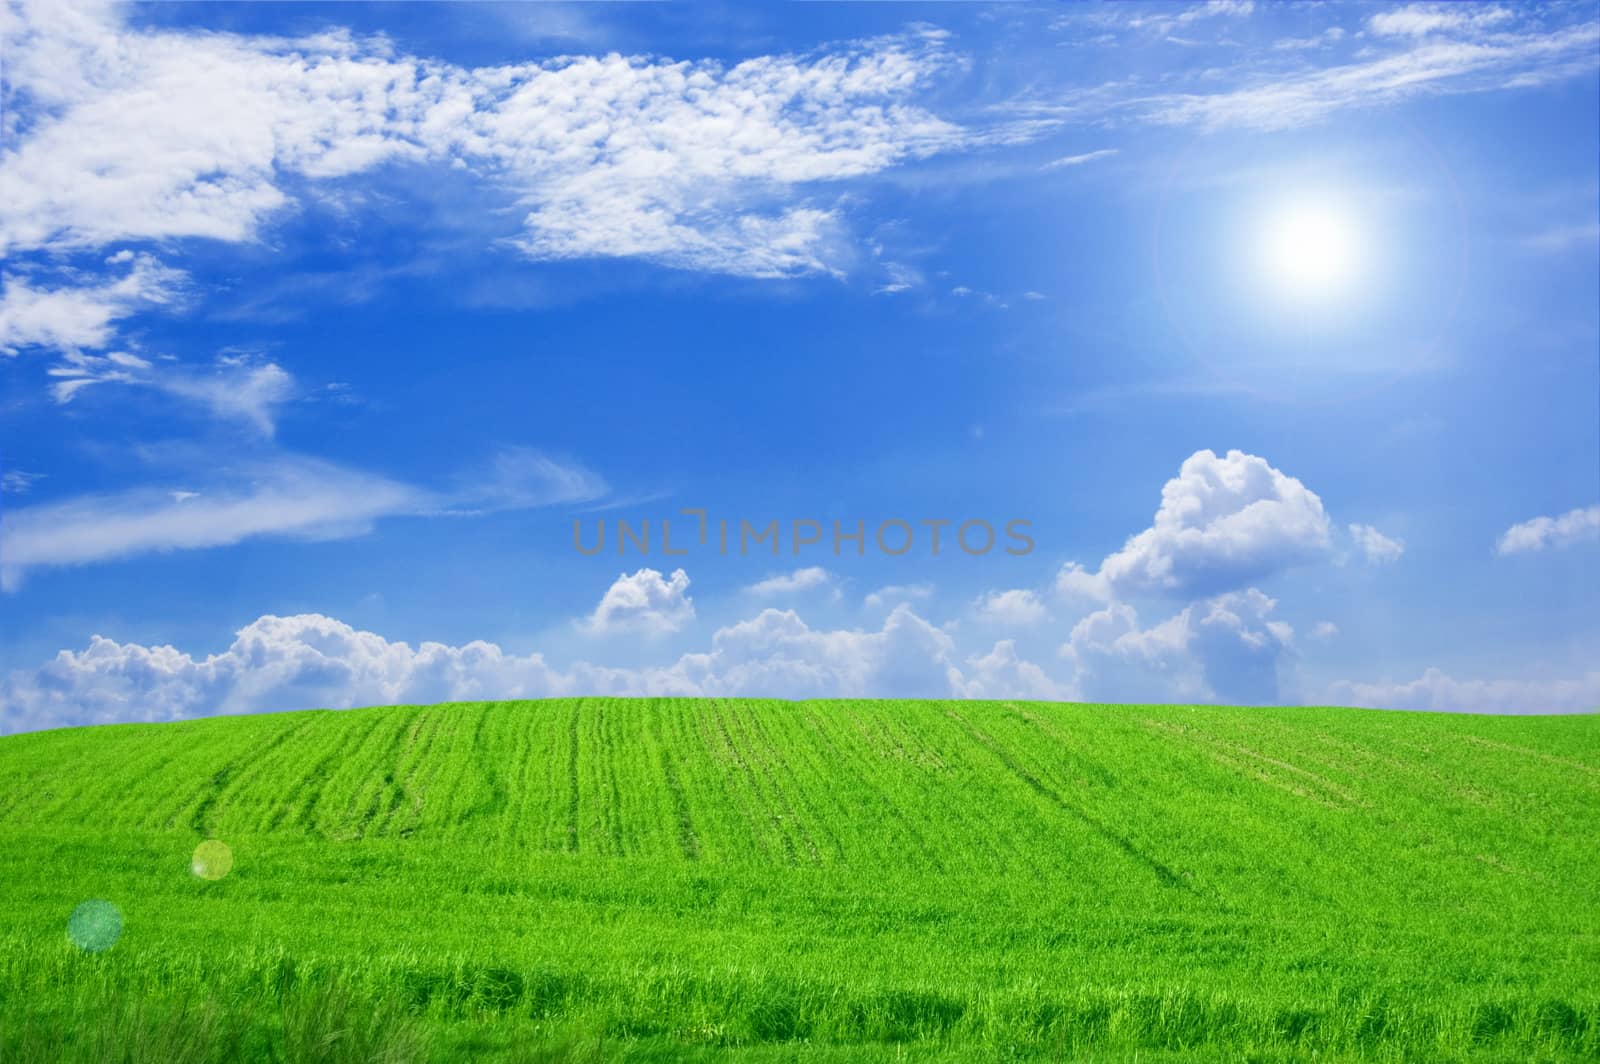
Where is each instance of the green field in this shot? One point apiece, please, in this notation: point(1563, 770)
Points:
point(603, 879)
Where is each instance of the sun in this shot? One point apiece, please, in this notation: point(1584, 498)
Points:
point(1311, 250)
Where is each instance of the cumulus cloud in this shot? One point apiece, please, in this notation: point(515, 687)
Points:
point(1224, 649)
point(777, 653)
point(286, 496)
point(1324, 630)
point(1012, 609)
point(806, 579)
point(1574, 526)
point(644, 602)
point(1375, 546)
point(1074, 581)
point(1223, 523)
point(1438, 691)
point(77, 313)
point(285, 663)
point(274, 663)
point(1113, 659)
point(1002, 673)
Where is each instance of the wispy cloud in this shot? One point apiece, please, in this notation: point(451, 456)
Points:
point(1583, 235)
point(894, 593)
point(807, 579)
point(1164, 23)
point(285, 496)
point(1431, 67)
point(1419, 20)
point(1439, 692)
point(235, 387)
point(1079, 160)
point(1375, 546)
point(18, 482)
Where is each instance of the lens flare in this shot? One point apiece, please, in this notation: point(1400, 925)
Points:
point(212, 859)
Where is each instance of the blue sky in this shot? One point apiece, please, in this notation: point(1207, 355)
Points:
point(1277, 324)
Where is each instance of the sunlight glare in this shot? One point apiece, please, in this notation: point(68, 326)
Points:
point(1311, 251)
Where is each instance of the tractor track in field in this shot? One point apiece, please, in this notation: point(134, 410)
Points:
point(1165, 874)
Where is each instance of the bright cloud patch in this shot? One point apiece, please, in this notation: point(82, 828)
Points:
point(1014, 609)
point(646, 602)
point(75, 313)
point(157, 135)
point(1574, 526)
point(1223, 523)
point(806, 579)
point(1417, 20)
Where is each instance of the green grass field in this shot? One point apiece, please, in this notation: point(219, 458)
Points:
point(605, 879)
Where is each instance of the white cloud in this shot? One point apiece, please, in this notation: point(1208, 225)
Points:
point(1375, 546)
point(285, 496)
point(776, 653)
point(522, 478)
point(1001, 673)
point(18, 482)
point(1019, 608)
point(234, 387)
point(1074, 581)
point(1165, 23)
point(1079, 160)
point(157, 134)
point(285, 663)
point(1329, 36)
point(1223, 523)
point(893, 593)
point(1417, 20)
point(1222, 649)
point(1574, 526)
point(1430, 67)
point(300, 497)
point(1437, 691)
point(72, 316)
point(645, 602)
point(1114, 660)
point(806, 579)
point(1325, 630)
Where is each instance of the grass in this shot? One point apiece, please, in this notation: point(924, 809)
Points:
point(607, 879)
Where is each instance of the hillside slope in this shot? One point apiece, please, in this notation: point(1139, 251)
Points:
point(1071, 878)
